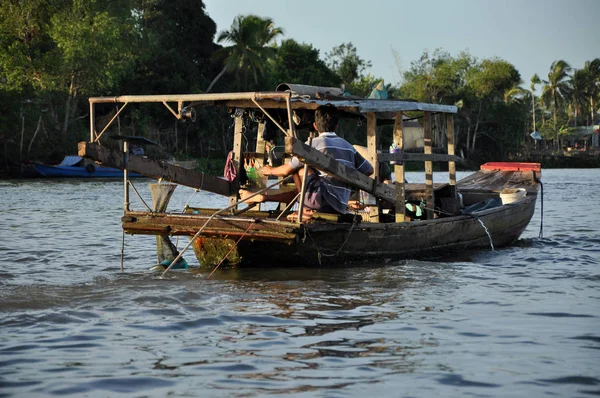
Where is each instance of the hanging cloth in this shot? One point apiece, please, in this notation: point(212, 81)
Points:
point(230, 173)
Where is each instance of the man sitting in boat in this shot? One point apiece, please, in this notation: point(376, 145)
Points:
point(324, 193)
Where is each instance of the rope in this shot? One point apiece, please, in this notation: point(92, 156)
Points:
point(541, 235)
point(320, 251)
point(536, 179)
point(139, 196)
point(192, 196)
point(230, 250)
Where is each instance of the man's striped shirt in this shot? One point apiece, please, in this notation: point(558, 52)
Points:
point(337, 192)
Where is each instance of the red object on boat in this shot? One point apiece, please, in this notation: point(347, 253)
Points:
point(511, 166)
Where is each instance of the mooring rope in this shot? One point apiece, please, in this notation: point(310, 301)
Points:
point(233, 247)
point(320, 252)
point(541, 235)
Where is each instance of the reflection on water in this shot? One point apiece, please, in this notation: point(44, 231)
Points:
point(519, 321)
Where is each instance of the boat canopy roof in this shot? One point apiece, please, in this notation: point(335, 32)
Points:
point(279, 100)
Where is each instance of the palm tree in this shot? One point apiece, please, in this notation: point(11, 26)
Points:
point(556, 89)
point(592, 70)
point(578, 86)
point(250, 36)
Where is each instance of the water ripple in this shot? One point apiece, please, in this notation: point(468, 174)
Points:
point(521, 320)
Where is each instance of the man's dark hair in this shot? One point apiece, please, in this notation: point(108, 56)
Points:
point(326, 118)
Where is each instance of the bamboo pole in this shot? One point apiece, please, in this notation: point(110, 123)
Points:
point(191, 97)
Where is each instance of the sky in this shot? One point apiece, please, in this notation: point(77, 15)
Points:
point(530, 34)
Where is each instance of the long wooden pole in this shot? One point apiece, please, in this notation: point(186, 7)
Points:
point(191, 97)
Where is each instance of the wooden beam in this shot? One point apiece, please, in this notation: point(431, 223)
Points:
point(450, 135)
point(260, 145)
point(418, 157)
point(428, 164)
point(92, 123)
point(452, 164)
point(372, 142)
point(329, 165)
point(399, 169)
point(237, 155)
point(155, 169)
point(374, 211)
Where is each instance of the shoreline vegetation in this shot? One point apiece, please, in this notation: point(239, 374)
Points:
point(56, 54)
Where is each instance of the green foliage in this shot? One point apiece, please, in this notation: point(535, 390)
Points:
point(437, 78)
point(53, 52)
point(250, 36)
point(346, 63)
point(174, 56)
point(486, 93)
point(79, 46)
point(25, 43)
point(492, 78)
point(175, 50)
point(300, 64)
point(591, 71)
point(556, 91)
point(56, 53)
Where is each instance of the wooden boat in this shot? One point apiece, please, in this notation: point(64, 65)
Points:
point(465, 214)
point(74, 167)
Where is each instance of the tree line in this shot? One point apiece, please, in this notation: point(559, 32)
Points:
point(54, 54)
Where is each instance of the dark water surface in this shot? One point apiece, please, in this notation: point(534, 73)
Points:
point(519, 321)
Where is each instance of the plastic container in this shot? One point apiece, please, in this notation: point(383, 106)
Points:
point(511, 195)
point(395, 149)
point(256, 177)
point(367, 199)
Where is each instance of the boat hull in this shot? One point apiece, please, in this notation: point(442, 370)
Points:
point(259, 241)
point(59, 171)
point(344, 244)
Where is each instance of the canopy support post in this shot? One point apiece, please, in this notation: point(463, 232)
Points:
point(399, 169)
point(428, 165)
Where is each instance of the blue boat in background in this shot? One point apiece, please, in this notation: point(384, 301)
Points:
point(74, 167)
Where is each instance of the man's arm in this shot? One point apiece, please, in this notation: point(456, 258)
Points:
point(280, 171)
point(362, 164)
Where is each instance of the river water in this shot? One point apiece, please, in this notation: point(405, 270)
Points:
point(518, 321)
